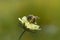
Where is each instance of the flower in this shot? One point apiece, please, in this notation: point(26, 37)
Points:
point(28, 25)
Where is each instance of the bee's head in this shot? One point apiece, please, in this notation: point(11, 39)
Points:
point(32, 18)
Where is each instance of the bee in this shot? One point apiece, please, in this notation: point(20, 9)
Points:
point(32, 18)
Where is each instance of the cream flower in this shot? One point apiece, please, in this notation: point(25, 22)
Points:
point(29, 25)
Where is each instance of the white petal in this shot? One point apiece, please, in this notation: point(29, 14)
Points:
point(20, 20)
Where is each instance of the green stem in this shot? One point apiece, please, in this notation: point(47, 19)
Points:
point(21, 34)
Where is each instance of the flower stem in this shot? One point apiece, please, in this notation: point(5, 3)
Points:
point(21, 34)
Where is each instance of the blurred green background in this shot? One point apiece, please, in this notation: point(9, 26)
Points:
point(47, 10)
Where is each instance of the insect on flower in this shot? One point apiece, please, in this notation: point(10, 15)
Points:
point(29, 22)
